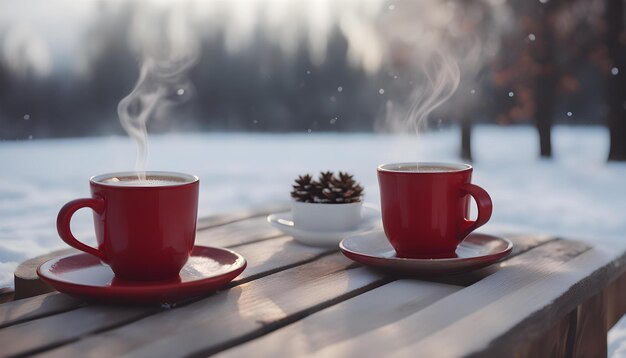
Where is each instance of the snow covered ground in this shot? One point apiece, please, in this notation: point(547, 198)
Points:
point(576, 194)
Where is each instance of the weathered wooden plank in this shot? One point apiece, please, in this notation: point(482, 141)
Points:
point(39, 306)
point(525, 242)
point(274, 255)
point(7, 294)
point(591, 331)
point(241, 313)
point(581, 333)
point(47, 332)
point(521, 244)
point(25, 279)
point(478, 314)
point(237, 233)
point(554, 342)
point(348, 319)
point(615, 300)
point(223, 219)
point(574, 284)
point(263, 258)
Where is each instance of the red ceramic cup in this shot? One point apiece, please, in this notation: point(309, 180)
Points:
point(425, 207)
point(145, 229)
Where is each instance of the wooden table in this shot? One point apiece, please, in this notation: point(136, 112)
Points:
point(550, 297)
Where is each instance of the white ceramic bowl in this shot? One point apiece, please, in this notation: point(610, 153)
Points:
point(326, 217)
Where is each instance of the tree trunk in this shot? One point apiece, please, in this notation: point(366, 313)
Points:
point(545, 78)
point(616, 96)
point(466, 139)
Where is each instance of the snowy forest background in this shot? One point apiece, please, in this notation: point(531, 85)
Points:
point(284, 66)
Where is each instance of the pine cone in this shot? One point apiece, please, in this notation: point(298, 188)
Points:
point(303, 189)
point(328, 189)
point(346, 189)
point(322, 186)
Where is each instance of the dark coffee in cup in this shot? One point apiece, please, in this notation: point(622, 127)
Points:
point(421, 168)
point(151, 180)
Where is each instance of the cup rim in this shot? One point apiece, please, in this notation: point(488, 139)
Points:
point(455, 167)
point(188, 179)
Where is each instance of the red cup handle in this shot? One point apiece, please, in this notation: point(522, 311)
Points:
point(65, 216)
point(485, 208)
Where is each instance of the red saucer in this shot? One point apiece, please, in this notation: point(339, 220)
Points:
point(86, 277)
point(476, 251)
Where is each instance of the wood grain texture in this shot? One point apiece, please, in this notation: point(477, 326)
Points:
point(478, 314)
point(590, 339)
point(39, 306)
point(27, 283)
point(521, 244)
point(223, 219)
point(311, 301)
point(263, 257)
point(237, 233)
point(615, 300)
point(540, 305)
point(33, 336)
point(228, 317)
point(348, 319)
point(273, 255)
point(7, 294)
point(554, 342)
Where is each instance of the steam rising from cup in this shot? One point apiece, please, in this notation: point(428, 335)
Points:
point(439, 41)
point(443, 77)
point(169, 48)
point(161, 84)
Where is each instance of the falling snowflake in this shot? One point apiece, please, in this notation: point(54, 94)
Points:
point(339, 89)
point(511, 94)
point(381, 91)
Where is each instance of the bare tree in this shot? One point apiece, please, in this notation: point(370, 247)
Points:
point(616, 96)
point(546, 77)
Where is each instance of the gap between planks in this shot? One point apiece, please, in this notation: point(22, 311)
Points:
point(288, 267)
point(496, 304)
point(25, 310)
point(365, 312)
point(248, 310)
point(198, 345)
point(238, 234)
point(264, 258)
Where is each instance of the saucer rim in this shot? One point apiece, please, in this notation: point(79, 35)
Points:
point(505, 252)
point(156, 285)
